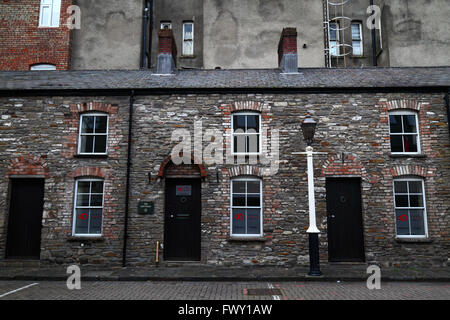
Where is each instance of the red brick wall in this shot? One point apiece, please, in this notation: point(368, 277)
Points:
point(23, 43)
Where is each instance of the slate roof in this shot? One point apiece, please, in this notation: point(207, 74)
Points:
point(308, 78)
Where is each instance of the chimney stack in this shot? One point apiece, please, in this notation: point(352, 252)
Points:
point(287, 51)
point(167, 52)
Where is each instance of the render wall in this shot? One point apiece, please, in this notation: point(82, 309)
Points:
point(245, 34)
point(110, 36)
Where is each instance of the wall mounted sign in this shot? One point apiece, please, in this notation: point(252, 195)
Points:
point(146, 207)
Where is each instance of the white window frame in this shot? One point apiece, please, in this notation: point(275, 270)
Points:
point(424, 208)
point(239, 235)
point(245, 133)
point(42, 67)
point(165, 23)
point(54, 7)
point(75, 207)
point(185, 40)
point(93, 134)
point(358, 40)
point(337, 47)
point(405, 113)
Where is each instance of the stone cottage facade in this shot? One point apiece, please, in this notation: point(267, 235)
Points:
point(102, 144)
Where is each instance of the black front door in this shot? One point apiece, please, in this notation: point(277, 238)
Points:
point(25, 219)
point(182, 219)
point(344, 214)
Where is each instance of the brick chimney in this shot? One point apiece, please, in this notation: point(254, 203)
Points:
point(287, 51)
point(167, 52)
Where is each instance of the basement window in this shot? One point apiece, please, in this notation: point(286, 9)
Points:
point(410, 211)
point(49, 13)
point(188, 39)
point(404, 132)
point(246, 207)
point(88, 213)
point(93, 135)
point(42, 67)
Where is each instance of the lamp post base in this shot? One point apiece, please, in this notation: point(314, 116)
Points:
point(314, 268)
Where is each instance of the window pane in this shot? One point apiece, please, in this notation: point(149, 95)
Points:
point(188, 31)
point(333, 31)
point(100, 144)
point(100, 124)
point(239, 123)
point(238, 221)
point(238, 186)
point(253, 187)
point(410, 143)
point(82, 221)
point(83, 187)
point(417, 222)
point(87, 125)
point(253, 200)
point(395, 122)
point(415, 201)
point(46, 15)
point(357, 51)
point(409, 124)
point(239, 143)
point(396, 143)
point(401, 201)
point(82, 200)
point(253, 143)
point(253, 123)
point(415, 186)
point(96, 200)
point(188, 48)
point(95, 223)
point(238, 200)
point(400, 187)
point(97, 186)
point(253, 221)
point(402, 217)
point(356, 35)
point(87, 144)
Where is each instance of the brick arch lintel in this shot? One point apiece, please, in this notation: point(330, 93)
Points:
point(91, 107)
point(88, 172)
point(411, 170)
point(337, 165)
point(245, 170)
point(28, 165)
point(247, 106)
point(168, 160)
point(399, 104)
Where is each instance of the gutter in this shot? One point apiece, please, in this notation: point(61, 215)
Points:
point(144, 33)
point(127, 187)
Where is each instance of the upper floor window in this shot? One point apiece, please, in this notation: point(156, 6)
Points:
point(246, 207)
point(166, 25)
point(88, 207)
point(410, 211)
point(404, 132)
point(93, 134)
point(357, 40)
point(334, 39)
point(188, 39)
point(49, 13)
point(246, 133)
point(43, 66)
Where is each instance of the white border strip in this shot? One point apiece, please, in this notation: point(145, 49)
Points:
point(10, 292)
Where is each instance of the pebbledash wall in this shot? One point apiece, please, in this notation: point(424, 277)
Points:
point(353, 129)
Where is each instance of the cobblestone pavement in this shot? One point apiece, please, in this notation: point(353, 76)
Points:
point(149, 290)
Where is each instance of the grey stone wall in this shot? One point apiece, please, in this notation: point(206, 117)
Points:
point(353, 130)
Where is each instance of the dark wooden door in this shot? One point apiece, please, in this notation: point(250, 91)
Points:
point(344, 215)
point(182, 220)
point(25, 219)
